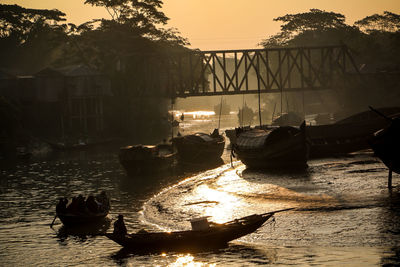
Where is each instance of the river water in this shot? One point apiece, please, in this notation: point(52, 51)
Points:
point(344, 215)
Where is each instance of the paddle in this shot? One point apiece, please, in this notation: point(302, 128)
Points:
point(51, 225)
point(273, 212)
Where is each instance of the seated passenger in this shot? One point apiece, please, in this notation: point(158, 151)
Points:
point(81, 204)
point(73, 206)
point(61, 206)
point(215, 133)
point(91, 204)
point(104, 202)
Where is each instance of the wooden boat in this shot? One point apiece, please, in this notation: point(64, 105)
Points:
point(77, 146)
point(204, 235)
point(286, 119)
point(82, 215)
point(71, 219)
point(68, 147)
point(386, 145)
point(199, 147)
point(147, 159)
point(347, 135)
point(282, 147)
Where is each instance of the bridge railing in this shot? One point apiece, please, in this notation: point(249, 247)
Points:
point(228, 72)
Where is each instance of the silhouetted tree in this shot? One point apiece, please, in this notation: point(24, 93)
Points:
point(388, 22)
point(308, 25)
point(29, 37)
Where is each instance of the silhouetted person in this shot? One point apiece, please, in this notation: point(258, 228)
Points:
point(73, 206)
point(103, 201)
point(61, 206)
point(215, 133)
point(91, 204)
point(81, 203)
point(119, 226)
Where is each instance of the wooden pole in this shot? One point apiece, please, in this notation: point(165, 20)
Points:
point(220, 112)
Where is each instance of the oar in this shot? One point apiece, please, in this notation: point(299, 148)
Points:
point(273, 212)
point(51, 225)
point(380, 113)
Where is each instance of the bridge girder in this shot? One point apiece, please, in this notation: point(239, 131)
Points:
point(250, 71)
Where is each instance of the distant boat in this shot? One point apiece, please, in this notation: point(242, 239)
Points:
point(66, 147)
point(199, 147)
point(274, 148)
point(76, 146)
point(226, 108)
point(203, 236)
point(147, 159)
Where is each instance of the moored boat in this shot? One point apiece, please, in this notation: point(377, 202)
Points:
point(348, 135)
point(386, 145)
point(147, 159)
point(282, 147)
point(199, 147)
point(204, 235)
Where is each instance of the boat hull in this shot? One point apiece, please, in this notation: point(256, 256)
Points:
point(69, 219)
point(294, 157)
point(147, 166)
point(288, 152)
point(136, 162)
point(215, 236)
point(337, 139)
point(386, 146)
point(196, 152)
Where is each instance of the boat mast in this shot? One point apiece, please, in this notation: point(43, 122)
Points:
point(273, 114)
point(259, 104)
point(172, 118)
point(242, 122)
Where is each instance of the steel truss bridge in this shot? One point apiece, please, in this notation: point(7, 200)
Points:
point(252, 71)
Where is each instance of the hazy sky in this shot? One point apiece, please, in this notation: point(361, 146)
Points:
point(226, 24)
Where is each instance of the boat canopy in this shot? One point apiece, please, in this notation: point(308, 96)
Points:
point(252, 139)
point(258, 138)
point(199, 137)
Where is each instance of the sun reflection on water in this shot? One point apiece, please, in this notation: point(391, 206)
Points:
point(226, 205)
point(188, 260)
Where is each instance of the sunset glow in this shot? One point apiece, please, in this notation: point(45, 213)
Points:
point(225, 24)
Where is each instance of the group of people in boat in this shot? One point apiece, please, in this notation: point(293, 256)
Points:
point(79, 205)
